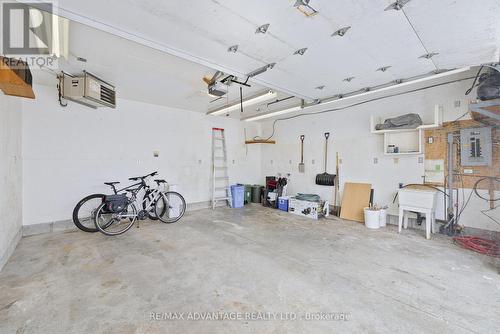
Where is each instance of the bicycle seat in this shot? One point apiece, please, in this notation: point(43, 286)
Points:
point(160, 181)
point(110, 183)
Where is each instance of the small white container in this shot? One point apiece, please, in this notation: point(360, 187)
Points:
point(383, 218)
point(372, 218)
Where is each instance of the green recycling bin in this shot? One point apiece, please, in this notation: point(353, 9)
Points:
point(248, 193)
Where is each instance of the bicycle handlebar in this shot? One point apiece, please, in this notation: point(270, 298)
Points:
point(142, 177)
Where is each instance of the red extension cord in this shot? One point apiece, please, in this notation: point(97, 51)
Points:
point(480, 245)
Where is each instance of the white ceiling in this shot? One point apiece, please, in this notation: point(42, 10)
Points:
point(463, 32)
point(139, 72)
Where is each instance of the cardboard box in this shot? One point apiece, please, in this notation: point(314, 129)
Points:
point(313, 210)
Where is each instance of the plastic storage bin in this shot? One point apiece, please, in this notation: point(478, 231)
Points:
point(238, 195)
point(283, 203)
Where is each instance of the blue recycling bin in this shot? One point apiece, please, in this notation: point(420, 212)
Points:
point(238, 196)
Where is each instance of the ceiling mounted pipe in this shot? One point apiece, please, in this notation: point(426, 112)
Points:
point(361, 93)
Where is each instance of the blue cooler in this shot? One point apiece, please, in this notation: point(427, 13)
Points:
point(283, 203)
point(238, 196)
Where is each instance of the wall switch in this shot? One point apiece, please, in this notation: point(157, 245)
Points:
point(375, 160)
point(430, 140)
point(457, 104)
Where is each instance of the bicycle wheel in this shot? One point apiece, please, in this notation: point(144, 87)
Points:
point(170, 207)
point(83, 213)
point(115, 223)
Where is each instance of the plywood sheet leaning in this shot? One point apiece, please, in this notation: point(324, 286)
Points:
point(356, 197)
point(435, 149)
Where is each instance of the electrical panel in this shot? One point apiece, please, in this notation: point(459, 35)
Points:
point(475, 147)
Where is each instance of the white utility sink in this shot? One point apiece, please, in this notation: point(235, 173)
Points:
point(419, 198)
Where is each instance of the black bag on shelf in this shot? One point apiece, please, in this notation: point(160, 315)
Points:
point(489, 86)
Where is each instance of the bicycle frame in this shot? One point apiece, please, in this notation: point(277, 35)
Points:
point(153, 197)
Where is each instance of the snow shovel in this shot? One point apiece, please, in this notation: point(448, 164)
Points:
point(302, 166)
point(326, 179)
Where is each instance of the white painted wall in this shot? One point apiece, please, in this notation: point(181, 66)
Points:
point(357, 147)
point(10, 175)
point(69, 152)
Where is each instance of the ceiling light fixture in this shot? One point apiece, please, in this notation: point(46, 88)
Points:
point(267, 95)
point(233, 49)
point(261, 70)
point(398, 5)
point(272, 114)
point(300, 51)
point(429, 55)
point(383, 68)
point(262, 29)
point(341, 32)
point(349, 79)
point(304, 7)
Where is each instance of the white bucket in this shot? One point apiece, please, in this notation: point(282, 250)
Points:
point(372, 218)
point(383, 217)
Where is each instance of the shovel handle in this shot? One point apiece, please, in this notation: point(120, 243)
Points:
point(302, 148)
point(327, 134)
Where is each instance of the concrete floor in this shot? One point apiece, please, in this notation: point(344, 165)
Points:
point(244, 263)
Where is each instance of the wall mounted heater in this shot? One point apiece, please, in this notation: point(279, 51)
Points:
point(88, 90)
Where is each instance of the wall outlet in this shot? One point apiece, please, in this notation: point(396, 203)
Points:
point(420, 160)
point(430, 140)
point(312, 161)
point(375, 160)
point(457, 103)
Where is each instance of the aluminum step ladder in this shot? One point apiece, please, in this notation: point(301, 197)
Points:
point(221, 191)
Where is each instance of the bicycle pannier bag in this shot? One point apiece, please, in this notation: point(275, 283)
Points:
point(116, 203)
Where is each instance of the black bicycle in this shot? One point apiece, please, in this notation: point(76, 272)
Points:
point(85, 210)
